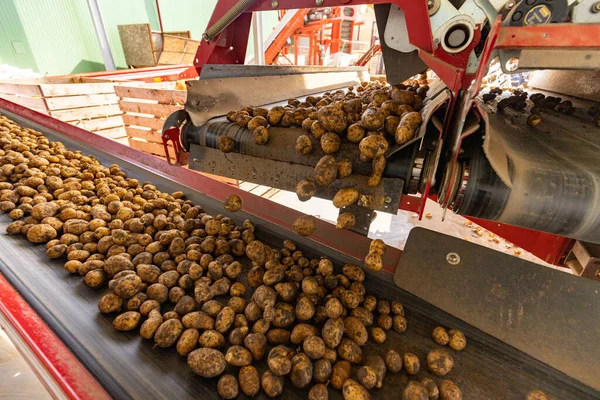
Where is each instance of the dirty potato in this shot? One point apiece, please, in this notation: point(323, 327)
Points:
point(238, 356)
point(226, 144)
point(414, 391)
point(349, 351)
point(366, 377)
point(345, 197)
point(41, 233)
point(318, 392)
point(373, 118)
point(127, 321)
point(207, 362)
point(458, 341)
point(168, 333)
point(272, 384)
point(305, 189)
point(280, 360)
point(332, 118)
point(304, 145)
point(407, 129)
point(432, 389)
point(377, 167)
point(440, 362)
point(326, 171)
point(353, 390)
point(332, 332)
point(393, 361)
point(411, 363)
point(330, 143)
point(187, 341)
point(233, 203)
point(355, 330)
point(249, 380)
point(373, 146)
point(449, 390)
point(345, 220)
point(260, 135)
point(440, 336)
point(302, 370)
point(356, 133)
point(344, 168)
point(340, 373)
point(305, 225)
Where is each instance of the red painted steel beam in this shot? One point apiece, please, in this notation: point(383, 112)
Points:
point(70, 375)
point(549, 36)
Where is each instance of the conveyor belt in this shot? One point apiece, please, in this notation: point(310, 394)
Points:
point(129, 367)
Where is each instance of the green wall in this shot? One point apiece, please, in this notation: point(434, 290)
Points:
point(55, 37)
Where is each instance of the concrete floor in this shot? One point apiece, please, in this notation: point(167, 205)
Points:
point(17, 379)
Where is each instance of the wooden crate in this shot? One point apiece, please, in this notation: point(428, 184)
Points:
point(145, 109)
point(90, 104)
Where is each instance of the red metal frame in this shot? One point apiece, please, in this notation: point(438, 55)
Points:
point(549, 36)
point(70, 375)
point(150, 74)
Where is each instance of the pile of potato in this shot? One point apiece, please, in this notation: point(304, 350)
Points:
point(203, 284)
point(372, 115)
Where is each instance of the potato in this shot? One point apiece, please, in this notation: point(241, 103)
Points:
point(284, 315)
point(330, 143)
point(127, 321)
point(326, 171)
point(535, 395)
point(305, 189)
point(272, 384)
point(41, 233)
point(345, 197)
point(238, 356)
point(332, 118)
point(187, 341)
point(278, 336)
point(249, 380)
point(228, 387)
point(353, 390)
point(117, 263)
point(110, 303)
point(458, 341)
point(260, 135)
point(366, 376)
point(256, 122)
point(310, 285)
point(274, 115)
point(356, 133)
point(302, 370)
point(95, 278)
point(317, 130)
point(226, 144)
point(264, 296)
point(373, 146)
point(344, 168)
point(206, 362)
point(332, 332)
point(257, 344)
point(377, 167)
point(340, 373)
point(168, 333)
point(211, 339)
point(56, 251)
point(305, 225)
point(449, 390)
point(224, 320)
point(127, 286)
point(408, 127)
point(399, 323)
point(364, 315)
point(411, 363)
point(350, 299)
point(378, 335)
point(355, 330)
point(414, 391)
point(304, 145)
point(374, 261)
point(149, 326)
point(314, 347)
point(440, 362)
point(431, 387)
point(345, 220)
point(255, 251)
point(373, 118)
point(280, 360)
point(233, 203)
point(301, 332)
point(349, 351)
point(334, 308)
point(402, 97)
point(318, 392)
point(393, 361)
point(325, 267)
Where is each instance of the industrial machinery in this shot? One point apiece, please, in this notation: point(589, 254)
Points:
point(528, 326)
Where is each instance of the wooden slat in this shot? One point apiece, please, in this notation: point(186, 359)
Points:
point(123, 140)
point(72, 89)
point(86, 112)
point(113, 133)
point(62, 103)
point(151, 148)
point(20, 89)
point(173, 44)
point(36, 103)
point(159, 110)
point(163, 96)
point(99, 123)
point(139, 120)
point(147, 135)
point(170, 58)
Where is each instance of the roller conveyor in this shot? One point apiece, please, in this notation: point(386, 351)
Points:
point(129, 367)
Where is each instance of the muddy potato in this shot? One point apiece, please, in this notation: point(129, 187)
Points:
point(127, 286)
point(431, 387)
point(345, 197)
point(56, 251)
point(233, 203)
point(314, 347)
point(373, 146)
point(256, 122)
point(393, 361)
point(326, 171)
point(332, 118)
point(257, 344)
point(110, 303)
point(536, 395)
point(41, 233)
point(305, 189)
point(304, 145)
point(272, 384)
point(305, 225)
point(317, 130)
point(330, 143)
point(440, 336)
point(344, 168)
point(449, 390)
point(224, 319)
point(238, 356)
point(280, 360)
point(284, 316)
point(228, 387)
point(147, 306)
point(399, 323)
point(349, 351)
point(345, 220)
point(187, 342)
point(255, 250)
point(414, 391)
point(458, 341)
point(334, 308)
point(260, 135)
point(168, 333)
point(350, 299)
point(301, 332)
point(207, 362)
point(355, 330)
point(364, 315)
point(264, 296)
point(305, 309)
point(226, 144)
point(407, 129)
point(411, 363)
point(401, 97)
point(302, 370)
point(373, 118)
point(287, 291)
point(353, 390)
point(127, 321)
point(249, 380)
point(318, 392)
point(274, 115)
point(325, 267)
point(149, 326)
point(95, 278)
point(356, 133)
point(377, 167)
point(374, 261)
point(211, 339)
point(340, 373)
point(440, 362)
point(310, 285)
point(378, 335)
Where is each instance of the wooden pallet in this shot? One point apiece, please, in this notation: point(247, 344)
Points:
point(88, 103)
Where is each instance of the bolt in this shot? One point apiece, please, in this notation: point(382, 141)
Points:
point(388, 199)
point(430, 4)
point(596, 7)
point(319, 2)
point(510, 5)
point(453, 258)
point(274, 4)
point(196, 161)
